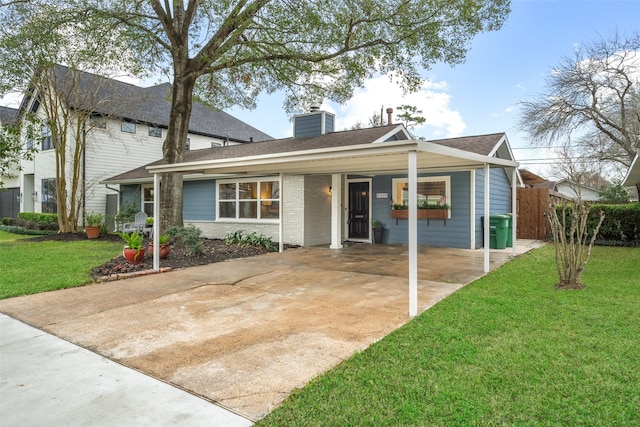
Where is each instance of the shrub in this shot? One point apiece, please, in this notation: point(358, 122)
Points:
point(189, 237)
point(40, 218)
point(26, 231)
point(621, 225)
point(254, 239)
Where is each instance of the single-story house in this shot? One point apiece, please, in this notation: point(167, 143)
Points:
point(324, 187)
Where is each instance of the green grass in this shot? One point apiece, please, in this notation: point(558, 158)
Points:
point(508, 349)
point(30, 267)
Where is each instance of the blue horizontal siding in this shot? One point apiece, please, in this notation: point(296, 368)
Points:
point(453, 232)
point(500, 198)
point(199, 200)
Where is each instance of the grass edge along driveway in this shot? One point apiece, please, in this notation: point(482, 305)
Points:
point(507, 349)
point(31, 267)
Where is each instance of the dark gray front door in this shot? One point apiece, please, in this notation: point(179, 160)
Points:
point(359, 210)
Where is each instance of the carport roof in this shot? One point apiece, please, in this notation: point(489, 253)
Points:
point(374, 150)
point(633, 174)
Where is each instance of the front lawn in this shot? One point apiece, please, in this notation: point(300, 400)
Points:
point(508, 349)
point(29, 267)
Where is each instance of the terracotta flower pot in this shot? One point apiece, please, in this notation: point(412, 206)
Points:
point(93, 231)
point(165, 249)
point(132, 255)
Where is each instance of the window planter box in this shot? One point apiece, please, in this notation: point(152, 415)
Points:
point(422, 213)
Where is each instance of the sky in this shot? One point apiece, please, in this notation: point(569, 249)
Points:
point(481, 95)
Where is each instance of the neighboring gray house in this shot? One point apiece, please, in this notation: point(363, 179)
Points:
point(324, 187)
point(125, 126)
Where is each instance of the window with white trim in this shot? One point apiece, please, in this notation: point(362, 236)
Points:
point(433, 190)
point(155, 132)
point(147, 200)
point(47, 138)
point(246, 200)
point(128, 127)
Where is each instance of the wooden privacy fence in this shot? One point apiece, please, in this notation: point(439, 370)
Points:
point(531, 206)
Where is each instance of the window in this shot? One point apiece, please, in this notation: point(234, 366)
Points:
point(49, 194)
point(155, 132)
point(249, 200)
point(98, 122)
point(47, 138)
point(128, 127)
point(147, 200)
point(187, 145)
point(434, 190)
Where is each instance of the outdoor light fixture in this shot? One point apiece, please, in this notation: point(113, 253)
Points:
point(19, 197)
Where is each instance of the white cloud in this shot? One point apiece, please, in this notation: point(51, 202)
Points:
point(380, 92)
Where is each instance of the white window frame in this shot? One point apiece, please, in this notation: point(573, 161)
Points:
point(124, 124)
point(144, 202)
point(397, 199)
point(258, 201)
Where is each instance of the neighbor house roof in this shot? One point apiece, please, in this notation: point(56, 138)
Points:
point(328, 142)
point(8, 115)
point(152, 105)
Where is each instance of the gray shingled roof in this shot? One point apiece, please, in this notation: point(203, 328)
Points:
point(8, 115)
point(482, 144)
point(479, 144)
point(152, 105)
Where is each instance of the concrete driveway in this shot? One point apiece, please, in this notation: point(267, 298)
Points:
point(245, 333)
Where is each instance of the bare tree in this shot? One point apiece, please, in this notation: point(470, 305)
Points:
point(572, 240)
point(592, 102)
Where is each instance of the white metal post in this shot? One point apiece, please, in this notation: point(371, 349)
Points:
point(280, 216)
point(514, 208)
point(413, 232)
point(336, 211)
point(486, 217)
point(156, 222)
point(472, 209)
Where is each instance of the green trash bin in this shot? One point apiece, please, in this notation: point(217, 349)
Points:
point(510, 230)
point(498, 230)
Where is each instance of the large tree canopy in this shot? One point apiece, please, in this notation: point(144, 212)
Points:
point(591, 103)
point(226, 52)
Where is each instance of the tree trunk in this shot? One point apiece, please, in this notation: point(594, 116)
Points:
point(173, 148)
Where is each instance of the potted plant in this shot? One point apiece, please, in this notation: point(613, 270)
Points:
point(133, 250)
point(93, 223)
point(425, 211)
point(378, 230)
point(165, 247)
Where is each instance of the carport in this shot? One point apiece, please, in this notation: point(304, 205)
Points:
point(409, 157)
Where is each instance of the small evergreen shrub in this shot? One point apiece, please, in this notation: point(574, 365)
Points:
point(189, 237)
point(41, 218)
point(254, 239)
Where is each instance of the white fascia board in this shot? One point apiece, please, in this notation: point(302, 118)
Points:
point(430, 147)
point(633, 174)
point(290, 156)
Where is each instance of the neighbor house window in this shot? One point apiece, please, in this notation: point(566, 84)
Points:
point(155, 132)
point(49, 194)
point(98, 122)
point(259, 199)
point(47, 138)
point(128, 127)
point(147, 200)
point(434, 190)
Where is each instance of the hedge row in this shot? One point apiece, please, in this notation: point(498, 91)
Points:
point(43, 218)
point(621, 225)
point(31, 225)
point(19, 230)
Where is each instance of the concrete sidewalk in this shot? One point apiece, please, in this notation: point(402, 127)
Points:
point(46, 381)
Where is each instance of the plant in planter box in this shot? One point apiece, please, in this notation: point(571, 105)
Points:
point(93, 223)
point(378, 230)
point(133, 251)
point(165, 247)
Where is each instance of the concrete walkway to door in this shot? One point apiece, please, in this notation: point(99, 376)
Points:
point(245, 333)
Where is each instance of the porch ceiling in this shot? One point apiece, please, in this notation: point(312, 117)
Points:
point(385, 157)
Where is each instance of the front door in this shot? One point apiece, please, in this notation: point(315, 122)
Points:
point(359, 210)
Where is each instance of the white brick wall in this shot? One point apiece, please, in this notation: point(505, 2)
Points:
point(317, 218)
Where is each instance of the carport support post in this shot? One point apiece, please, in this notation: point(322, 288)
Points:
point(336, 211)
point(514, 208)
point(280, 216)
point(156, 222)
point(486, 217)
point(412, 179)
